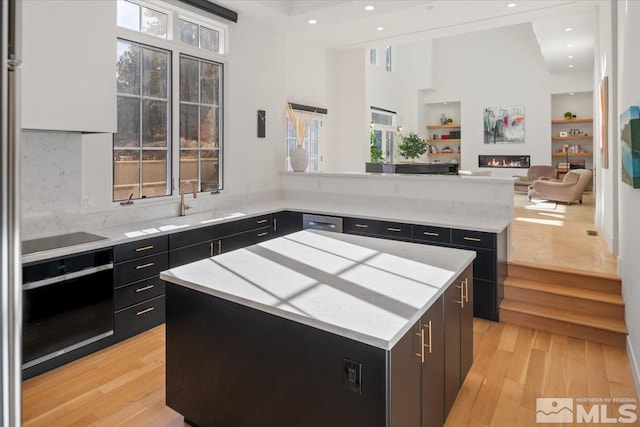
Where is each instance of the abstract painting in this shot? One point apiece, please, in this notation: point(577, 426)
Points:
point(504, 125)
point(630, 136)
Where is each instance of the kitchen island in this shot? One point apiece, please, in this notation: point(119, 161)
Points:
point(318, 328)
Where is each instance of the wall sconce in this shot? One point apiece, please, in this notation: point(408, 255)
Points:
point(399, 129)
point(371, 125)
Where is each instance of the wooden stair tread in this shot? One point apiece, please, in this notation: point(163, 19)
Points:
point(566, 270)
point(552, 288)
point(608, 324)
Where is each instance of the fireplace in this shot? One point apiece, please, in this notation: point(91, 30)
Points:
point(491, 161)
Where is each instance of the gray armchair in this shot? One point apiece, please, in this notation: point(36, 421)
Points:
point(533, 173)
point(568, 190)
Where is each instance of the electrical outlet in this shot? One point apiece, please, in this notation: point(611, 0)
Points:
point(352, 376)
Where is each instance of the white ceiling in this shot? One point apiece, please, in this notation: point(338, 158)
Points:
point(345, 24)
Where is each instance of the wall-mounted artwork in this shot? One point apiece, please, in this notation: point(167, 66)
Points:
point(630, 136)
point(504, 125)
point(604, 114)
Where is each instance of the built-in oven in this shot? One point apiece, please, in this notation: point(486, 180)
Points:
point(67, 304)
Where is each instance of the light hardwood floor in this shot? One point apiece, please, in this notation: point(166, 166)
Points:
point(124, 385)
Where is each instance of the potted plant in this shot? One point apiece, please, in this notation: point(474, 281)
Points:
point(568, 115)
point(375, 154)
point(412, 146)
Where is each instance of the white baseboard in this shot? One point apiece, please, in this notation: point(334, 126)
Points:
point(633, 362)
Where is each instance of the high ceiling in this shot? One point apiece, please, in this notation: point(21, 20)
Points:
point(345, 24)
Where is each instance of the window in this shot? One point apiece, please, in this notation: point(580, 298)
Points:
point(160, 141)
point(384, 132)
point(387, 55)
point(312, 141)
point(372, 56)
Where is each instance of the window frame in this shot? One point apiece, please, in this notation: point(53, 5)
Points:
point(177, 48)
point(386, 131)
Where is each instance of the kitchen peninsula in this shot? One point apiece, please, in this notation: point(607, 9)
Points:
point(317, 328)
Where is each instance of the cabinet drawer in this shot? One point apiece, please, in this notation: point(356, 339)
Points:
point(132, 271)
point(427, 233)
point(396, 230)
point(260, 222)
point(191, 237)
point(138, 292)
point(140, 317)
point(476, 239)
point(140, 248)
point(361, 226)
point(262, 234)
point(187, 254)
point(231, 243)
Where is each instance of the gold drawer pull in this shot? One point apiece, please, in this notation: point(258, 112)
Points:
point(262, 234)
point(429, 233)
point(428, 325)
point(397, 230)
point(144, 248)
point(140, 267)
point(421, 354)
point(472, 239)
point(262, 221)
point(461, 302)
point(140, 313)
point(146, 288)
point(362, 226)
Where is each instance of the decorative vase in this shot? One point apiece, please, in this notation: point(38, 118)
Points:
point(299, 159)
point(443, 119)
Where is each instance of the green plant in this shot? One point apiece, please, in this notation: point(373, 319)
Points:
point(412, 146)
point(375, 152)
point(449, 121)
point(568, 115)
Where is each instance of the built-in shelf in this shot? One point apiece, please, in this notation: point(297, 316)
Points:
point(432, 141)
point(560, 122)
point(451, 126)
point(571, 138)
point(573, 155)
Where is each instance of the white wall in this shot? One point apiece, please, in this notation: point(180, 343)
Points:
point(493, 68)
point(607, 179)
point(571, 82)
point(348, 136)
point(628, 15)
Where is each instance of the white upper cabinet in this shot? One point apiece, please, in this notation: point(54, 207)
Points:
point(68, 65)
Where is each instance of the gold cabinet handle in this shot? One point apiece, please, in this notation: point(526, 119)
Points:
point(211, 249)
point(428, 326)
point(429, 233)
point(397, 230)
point(146, 288)
point(144, 248)
point(140, 313)
point(461, 302)
point(466, 289)
point(362, 226)
point(264, 233)
point(140, 267)
point(219, 247)
point(472, 239)
point(262, 221)
point(421, 354)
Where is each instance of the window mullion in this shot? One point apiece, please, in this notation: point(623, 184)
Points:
point(141, 119)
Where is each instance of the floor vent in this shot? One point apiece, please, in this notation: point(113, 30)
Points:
point(592, 232)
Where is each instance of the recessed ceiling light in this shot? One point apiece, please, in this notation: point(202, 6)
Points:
point(512, 4)
point(570, 57)
point(568, 29)
point(571, 66)
point(380, 28)
point(444, 103)
point(571, 93)
point(569, 45)
point(369, 8)
point(312, 21)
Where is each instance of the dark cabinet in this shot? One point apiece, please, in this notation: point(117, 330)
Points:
point(365, 227)
point(428, 234)
point(433, 374)
point(286, 222)
point(187, 254)
point(395, 230)
point(458, 336)
point(139, 292)
point(405, 365)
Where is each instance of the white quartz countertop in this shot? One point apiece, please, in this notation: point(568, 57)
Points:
point(366, 289)
point(141, 230)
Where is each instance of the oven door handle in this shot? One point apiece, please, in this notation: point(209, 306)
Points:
point(69, 276)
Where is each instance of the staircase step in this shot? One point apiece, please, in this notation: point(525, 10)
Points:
point(565, 297)
point(601, 282)
point(601, 329)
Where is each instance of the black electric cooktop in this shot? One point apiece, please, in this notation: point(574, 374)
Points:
point(54, 242)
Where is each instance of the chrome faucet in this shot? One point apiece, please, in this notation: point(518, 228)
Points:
point(183, 206)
